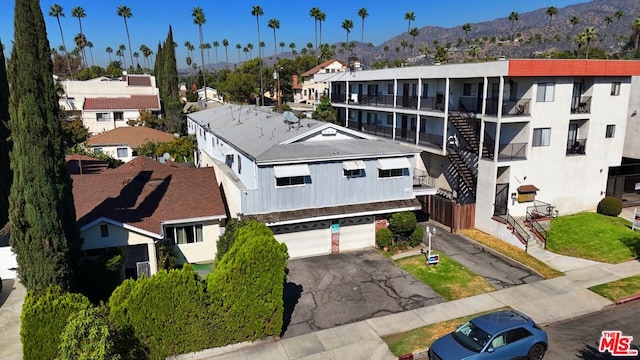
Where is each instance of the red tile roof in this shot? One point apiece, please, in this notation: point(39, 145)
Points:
point(134, 102)
point(145, 199)
point(84, 165)
point(315, 69)
point(570, 67)
point(133, 136)
point(137, 80)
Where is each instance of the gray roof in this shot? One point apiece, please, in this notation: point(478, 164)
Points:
point(267, 138)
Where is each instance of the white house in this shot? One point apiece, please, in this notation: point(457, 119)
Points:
point(512, 137)
point(320, 187)
point(142, 203)
point(120, 143)
point(309, 89)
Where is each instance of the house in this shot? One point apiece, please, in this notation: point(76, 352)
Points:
point(510, 138)
point(319, 187)
point(106, 103)
point(120, 143)
point(311, 90)
point(142, 203)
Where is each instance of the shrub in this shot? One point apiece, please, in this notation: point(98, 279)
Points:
point(610, 206)
point(87, 337)
point(384, 237)
point(227, 239)
point(403, 223)
point(98, 278)
point(44, 317)
point(247, 286)
point(167, 313)
point(416, 236)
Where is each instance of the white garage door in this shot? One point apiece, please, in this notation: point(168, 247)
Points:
point(357, 233)
point(308, 239)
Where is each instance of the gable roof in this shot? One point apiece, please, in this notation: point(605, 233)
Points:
point(84, 165)
point(133, 102)
point(267, 138)
point(145, 199)
point(141, 163)
point(132, 136)
point(317, 68)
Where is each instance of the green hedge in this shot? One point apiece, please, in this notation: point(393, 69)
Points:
point(384, 237)
point(248, 284)
point(610, 206)
point(87, 337)
point(44, 317)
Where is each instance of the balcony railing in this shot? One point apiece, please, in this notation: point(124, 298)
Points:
point(432, 103)
point(518, 107)
point(404, 135)
point(377, 100)
point(377, 130)
point(510, 151)
point(581, 105)
point(421, 179)
point(576, 147)
point(407, 102)
point(426, 139)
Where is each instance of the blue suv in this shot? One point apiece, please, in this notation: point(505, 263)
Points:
point(505, 334)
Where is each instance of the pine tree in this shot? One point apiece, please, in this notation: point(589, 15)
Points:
point(5, 168)
point(42, 216)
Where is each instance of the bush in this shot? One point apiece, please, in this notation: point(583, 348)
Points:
point(247, 286)
point(402, 224)
point(87, 337)
point(44, 317)
point(98, 278)
point(167, 313)
point(610, 206)
point(226, 240)
point(384, 237)
point(416, 236)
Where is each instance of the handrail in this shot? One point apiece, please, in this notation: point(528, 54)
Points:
point(541, 208)
point(520, 230)
point(535, 226)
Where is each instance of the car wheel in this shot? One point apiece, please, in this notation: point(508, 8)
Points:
point(537, 351)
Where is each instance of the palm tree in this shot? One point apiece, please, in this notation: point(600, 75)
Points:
point(414, 32)
point(79, 13)
point(635, 26)
point(466, 28)
point(292, 46)
point(225, 43)
point(136, 56)
point(189, 47)
point(90, 46)
point(122, 49)
point(216, 44)
point(199, 19)
point(513, 17)
point(189, 61)
point(474, 50)
point(109, 51)
point(552, 11)
point(250, 47)
point(125, 12)
point(589, 35)
point(257, 11)
point(146, 52)
point(282, 44)
point(321, 17)
point(239, 47)
point(314, 12)
point(57, 12)
point(363, 14)
point(409, 16)
point(120, 55)
point(347, 25)
point(274, 24)
point(81, 43)
point(618, 14)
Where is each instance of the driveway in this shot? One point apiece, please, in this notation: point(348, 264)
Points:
point(327, 291)
point(11, 299)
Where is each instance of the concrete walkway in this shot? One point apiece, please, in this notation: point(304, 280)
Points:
point(11, 299)
point(546, 301)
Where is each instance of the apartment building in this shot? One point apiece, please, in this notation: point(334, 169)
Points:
point(505, 135)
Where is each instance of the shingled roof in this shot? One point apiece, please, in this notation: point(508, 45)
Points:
point(145, 199)
point(133, 136)
point(139, 80)
point(133, 102)
point(84, 165)
point(317, 68)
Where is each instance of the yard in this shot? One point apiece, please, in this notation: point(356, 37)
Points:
point(595, 237)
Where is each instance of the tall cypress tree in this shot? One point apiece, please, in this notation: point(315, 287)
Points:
point(170, 71)
point(42, 216)
point(5, 168)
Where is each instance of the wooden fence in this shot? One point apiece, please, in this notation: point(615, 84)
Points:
point(447, 212)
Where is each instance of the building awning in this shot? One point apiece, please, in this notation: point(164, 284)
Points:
point(283, 171)
point(394, 163)
point(353, 165)
point(524, 189)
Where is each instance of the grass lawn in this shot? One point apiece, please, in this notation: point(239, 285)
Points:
point(449, 279)
point(512, 252)
point(421, 338)
point(619, 289)
point(206, 267)
point(595, 237)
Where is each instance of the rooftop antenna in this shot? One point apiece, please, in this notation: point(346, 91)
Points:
point(233, 118)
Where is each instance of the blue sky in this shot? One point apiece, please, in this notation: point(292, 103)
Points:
point(233, 21)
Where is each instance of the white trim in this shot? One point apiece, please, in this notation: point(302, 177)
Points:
point(394, 163)
point(292, 170)
point(122, 225)
point(353, 165)
point(319, 130)
point(193, 220)
point(342, 216)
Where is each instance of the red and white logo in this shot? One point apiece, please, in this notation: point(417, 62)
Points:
point(617, 344)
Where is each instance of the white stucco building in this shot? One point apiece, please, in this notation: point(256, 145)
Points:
point(307, 88)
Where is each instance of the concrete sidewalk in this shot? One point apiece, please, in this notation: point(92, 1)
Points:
point(546, 301)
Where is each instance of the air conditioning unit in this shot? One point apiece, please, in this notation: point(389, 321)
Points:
point(143, 268)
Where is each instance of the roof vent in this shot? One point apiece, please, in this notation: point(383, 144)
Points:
point(290, 117)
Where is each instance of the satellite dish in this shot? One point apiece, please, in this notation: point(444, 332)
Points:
point(124, 73)
point(290, 117)
point(166, 156)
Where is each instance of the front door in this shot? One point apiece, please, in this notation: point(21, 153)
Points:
point(405, 95)
point(502, 199)
point(405, 126)
point(359, 120)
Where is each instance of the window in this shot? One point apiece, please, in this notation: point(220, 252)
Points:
point(390, 120)
point(390, 173)
point(118, 116)
point(187, 234)
point(469, 90)
point(541, 137)
point(102, 117)
point(545, 92)
point(615, 88)
point(611, 131)
point(97, 150)
point(390, 89)
point(123, 152)
point(239, 165)
point(353, 173)
point(104, 231)
point(425, 90)
point(290, 181)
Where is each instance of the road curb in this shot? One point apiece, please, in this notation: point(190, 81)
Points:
point(627, 299)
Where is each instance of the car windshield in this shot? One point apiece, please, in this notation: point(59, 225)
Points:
point(471, 337)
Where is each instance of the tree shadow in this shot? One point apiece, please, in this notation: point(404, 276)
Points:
point(290, 297)
point(589, 352)
point(7, 288)
point(633, 243)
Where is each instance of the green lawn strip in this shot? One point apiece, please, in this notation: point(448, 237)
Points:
point(512, 252)
point(594, 236)
point(618, 289)
point(448, 278)
point(421, 338)
point(203, 267)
